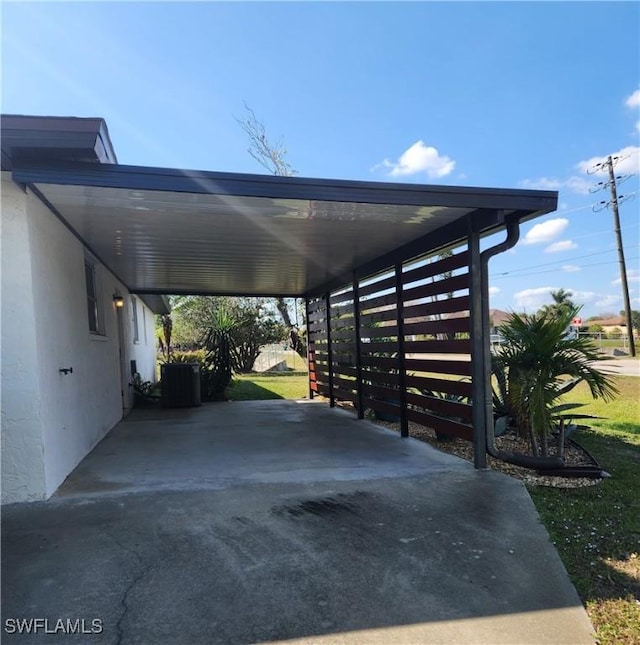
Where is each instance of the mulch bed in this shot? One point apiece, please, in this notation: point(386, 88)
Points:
point(574, 454)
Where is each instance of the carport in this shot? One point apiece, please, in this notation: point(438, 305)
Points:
point(394, 276)
point(275, 521)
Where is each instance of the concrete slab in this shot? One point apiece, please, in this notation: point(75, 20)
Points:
point(411, 547)
point(219, 445)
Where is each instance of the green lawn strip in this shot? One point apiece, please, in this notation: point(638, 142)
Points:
point(611, 343)
point(596, 529)
point(285, 385)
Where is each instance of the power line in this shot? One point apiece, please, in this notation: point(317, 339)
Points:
point(606, 230)
point(563, 261)
point(583, 266)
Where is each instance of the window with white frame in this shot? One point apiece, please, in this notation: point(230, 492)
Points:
point(134, 308)
point(94, 308)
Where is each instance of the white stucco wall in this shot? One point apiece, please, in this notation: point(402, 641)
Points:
point(22, 451)
point(75, 410)
point(144, 351)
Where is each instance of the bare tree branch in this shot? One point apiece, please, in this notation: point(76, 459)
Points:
point(270, 155)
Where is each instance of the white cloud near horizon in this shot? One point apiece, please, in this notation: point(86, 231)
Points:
point(574, 183)
point(608, 301)
point(533, 299)
point(629, 162)
point(563, 245)
point(633, 101)
point(571, 268)
point(419, 158)
point(633, 275)
point(494, 290)
point(546, 231)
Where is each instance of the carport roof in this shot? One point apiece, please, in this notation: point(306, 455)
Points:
point(172, 231)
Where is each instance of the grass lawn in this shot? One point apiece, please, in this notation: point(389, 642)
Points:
point(597, 529)
point(276, 385)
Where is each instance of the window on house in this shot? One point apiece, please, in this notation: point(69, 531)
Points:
point(136, 331)
point(93, 303)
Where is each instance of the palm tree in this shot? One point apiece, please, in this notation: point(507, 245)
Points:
point(561, 303)
point(541, 364)
point(217, 367)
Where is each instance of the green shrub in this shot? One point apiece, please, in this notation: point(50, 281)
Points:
point(536, 366)
point(217, 368)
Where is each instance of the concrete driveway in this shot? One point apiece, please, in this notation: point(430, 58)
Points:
point(282, 521)
point(621, 366)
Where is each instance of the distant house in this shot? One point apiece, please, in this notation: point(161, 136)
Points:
point(615, 325)
point(497, 317)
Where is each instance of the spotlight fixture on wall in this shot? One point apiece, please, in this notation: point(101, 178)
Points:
point(118, 301)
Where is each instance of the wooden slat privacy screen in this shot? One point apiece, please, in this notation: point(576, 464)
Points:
point(398, 343)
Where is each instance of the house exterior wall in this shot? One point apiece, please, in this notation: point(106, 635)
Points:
point(22, 456)
point(69, 413)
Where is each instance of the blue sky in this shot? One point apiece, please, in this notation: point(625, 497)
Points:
point(503, 94)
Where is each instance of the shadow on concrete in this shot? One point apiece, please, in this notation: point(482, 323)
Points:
point(312, 528)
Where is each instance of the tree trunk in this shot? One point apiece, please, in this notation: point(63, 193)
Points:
point(545, 445)
point(561, 440)
point(534, 442)
point(297, 344)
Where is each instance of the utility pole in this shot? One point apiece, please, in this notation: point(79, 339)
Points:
point(609, 164)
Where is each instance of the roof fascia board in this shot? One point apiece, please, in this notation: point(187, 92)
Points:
point(159, 304)
point(29, 139)
point(268, 186)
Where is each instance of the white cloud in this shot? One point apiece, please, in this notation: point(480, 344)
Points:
point(608, 302)
point(629, 162)
point(533, 298)
point(570, 268)
point(633, 101)
point(582, 297)
point(494, 290)
point(633, 275)
point(638, 126)
point(546, 231)
point(574, 183)
point(578, 185)
point(544, 183)
point(563, 245)
point(419, 158)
